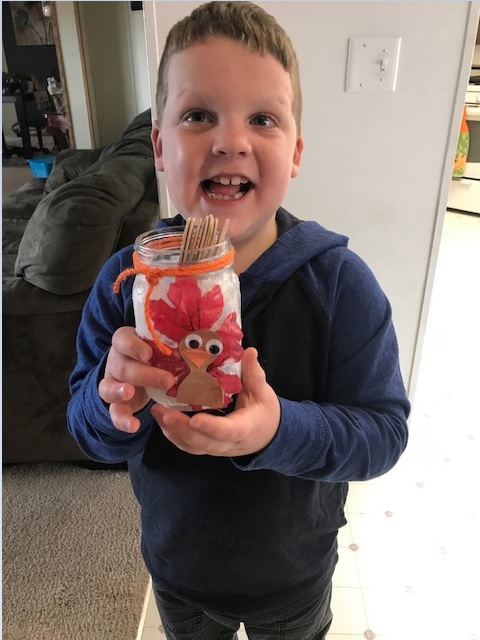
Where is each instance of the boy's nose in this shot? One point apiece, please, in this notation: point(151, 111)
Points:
point(231, 141)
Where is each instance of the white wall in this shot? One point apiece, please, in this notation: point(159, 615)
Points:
point(116, 65)
point(139, 60)
point(376, 166)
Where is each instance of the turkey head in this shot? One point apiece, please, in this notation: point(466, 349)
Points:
point(199, 350)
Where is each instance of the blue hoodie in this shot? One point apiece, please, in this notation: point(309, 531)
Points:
point(257, 534)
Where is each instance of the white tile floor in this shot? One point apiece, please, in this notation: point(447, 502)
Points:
point(409, 563)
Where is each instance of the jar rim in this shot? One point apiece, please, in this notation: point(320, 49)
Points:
point(170, 254)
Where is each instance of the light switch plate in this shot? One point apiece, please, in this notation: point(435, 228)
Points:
point(372, 65)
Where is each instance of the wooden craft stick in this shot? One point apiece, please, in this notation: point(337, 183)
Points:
point(204, 231)
point(209, 235)
point(223, 232)
point(185, 240)
point(192, 253)
point(215, 230)
point(199, 238)
point(212, 238)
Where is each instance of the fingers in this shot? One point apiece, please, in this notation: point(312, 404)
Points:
point(230, 428)
point(113, 390)
point(124, 400)
point(122, 417)
point(127, 373)
point(248, 429)
point(177, 428)
point(126, 340)
point(253, 376)
point(127, 362)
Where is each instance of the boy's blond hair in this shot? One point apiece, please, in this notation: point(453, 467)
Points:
point(244, 22)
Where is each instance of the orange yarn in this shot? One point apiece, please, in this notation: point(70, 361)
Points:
point(154, 274)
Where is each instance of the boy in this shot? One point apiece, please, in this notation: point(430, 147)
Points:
point(240, 513)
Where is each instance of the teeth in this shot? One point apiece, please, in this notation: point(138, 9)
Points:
point(227, 180)
point(215, 196)
point(235, 180)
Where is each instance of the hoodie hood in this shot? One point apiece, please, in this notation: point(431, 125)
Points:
point(298, 242)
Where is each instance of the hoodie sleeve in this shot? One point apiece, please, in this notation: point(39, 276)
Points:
point(360, 430)
point(88, 417)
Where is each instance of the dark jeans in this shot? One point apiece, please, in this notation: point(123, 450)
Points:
point(182, 621)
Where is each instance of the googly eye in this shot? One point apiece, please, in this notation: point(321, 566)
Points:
point(193, 341)
point(214, 346)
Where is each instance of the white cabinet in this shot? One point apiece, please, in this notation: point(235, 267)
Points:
point(464, 195)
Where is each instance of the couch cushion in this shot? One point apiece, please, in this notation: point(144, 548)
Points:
point(17, 209)
point(20, 204)
point(75, 228)
point(69, 164)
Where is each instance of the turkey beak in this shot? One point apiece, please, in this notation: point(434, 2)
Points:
point(198, 357)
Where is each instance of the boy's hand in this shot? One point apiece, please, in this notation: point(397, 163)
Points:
point(127, 372)
point(246, 430)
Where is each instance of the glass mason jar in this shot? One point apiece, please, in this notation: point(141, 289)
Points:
point(189, 313)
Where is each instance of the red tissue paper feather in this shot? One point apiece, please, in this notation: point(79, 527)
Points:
point(191, 311)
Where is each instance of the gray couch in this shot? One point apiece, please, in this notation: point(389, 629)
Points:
point(57, 234)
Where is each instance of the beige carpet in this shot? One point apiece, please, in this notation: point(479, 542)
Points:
point(72, 568)
point(15, 177)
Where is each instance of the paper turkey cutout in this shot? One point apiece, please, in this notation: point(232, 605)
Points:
point(206, 344)
point(199, 350)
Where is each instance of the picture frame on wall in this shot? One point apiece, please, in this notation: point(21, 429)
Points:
point(30, 25)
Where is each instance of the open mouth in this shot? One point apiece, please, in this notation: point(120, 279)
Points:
point(227, 188)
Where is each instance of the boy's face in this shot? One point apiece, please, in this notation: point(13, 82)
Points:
point(228, 142)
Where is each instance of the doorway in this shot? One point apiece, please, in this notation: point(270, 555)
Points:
point(31, 55)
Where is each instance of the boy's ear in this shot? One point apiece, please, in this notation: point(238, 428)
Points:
point(157, 146)
point(297, 156)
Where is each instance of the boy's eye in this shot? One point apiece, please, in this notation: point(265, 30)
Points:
point(196, 116)
point(262, 120)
